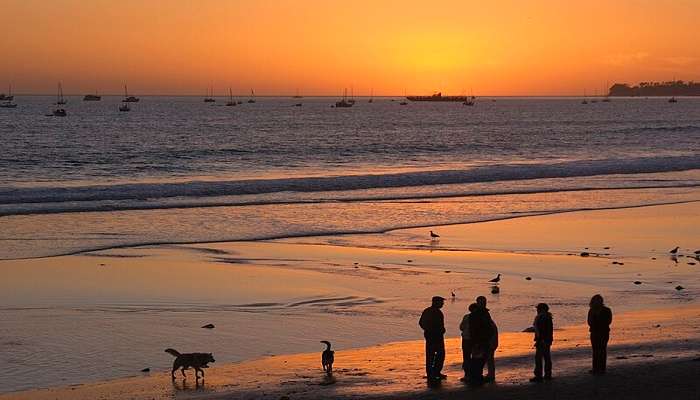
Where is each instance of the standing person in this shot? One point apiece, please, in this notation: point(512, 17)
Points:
point(480, 334)
point(599, 320)
point(433, 323)
point(493, 343)
point(544, 336)
point(466, 343)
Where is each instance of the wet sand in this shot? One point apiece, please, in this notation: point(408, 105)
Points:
point(652, 354)
point(108, 314)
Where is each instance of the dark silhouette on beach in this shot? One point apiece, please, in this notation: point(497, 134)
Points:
point(599, 320)
point(493, 340)
point(481, 335)
point(433, 324)
point(544, 336)
point(466, 343)
point(327, 358)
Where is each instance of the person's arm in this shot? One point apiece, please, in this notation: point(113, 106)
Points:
point(422, 321)
point(608, 317)
point(536, 325)
point(464, 324)
point(590, 318)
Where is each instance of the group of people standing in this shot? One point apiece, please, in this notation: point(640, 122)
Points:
point(480, 340)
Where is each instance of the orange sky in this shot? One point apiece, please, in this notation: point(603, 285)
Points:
point(494, 47)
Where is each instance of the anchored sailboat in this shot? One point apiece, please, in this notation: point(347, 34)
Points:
point(344, 103)
point(209, 97)
point(252, 97)
point(230, 102)
point(125, 107)
point(129, 99)
point(60, 111)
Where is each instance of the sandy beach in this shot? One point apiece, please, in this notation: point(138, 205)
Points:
point(652, 354)
point(108, 314)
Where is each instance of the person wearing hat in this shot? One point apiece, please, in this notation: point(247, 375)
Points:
point(544, 336)
point(433, 324)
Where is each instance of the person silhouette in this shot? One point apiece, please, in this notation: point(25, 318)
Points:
point(466, 343)
point(433, 324)
point(493, 342)
point(544, 336)
point(480, 335)
point(599, 320)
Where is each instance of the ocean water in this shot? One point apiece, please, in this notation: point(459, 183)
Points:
point(176, 170)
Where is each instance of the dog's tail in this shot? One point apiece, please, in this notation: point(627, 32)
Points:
point(173, 352)
point(327, 343)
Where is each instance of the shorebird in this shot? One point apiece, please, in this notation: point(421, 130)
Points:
point(434, 236)
point(496, 279)
point(453, 294)
point(674, 251)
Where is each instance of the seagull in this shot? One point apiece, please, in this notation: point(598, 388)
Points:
point(453, 294)
point(674, 251)
point(434, 235)
point(496, 279)
point(679, 288)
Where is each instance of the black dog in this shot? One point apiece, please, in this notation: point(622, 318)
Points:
point(194, 360)
point(327, 358)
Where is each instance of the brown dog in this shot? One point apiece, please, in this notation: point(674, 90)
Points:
point(185, 361)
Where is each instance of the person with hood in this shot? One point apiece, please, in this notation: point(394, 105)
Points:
point(493, 343)
point(544, 336)
point(599, 320)
point(433, 324)
point(480, 336)
point(466, 343)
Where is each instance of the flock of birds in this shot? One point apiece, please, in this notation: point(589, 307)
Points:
point(434, 237)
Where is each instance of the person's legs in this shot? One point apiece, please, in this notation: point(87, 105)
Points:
point(440, 356)
point(603, 353)
point(466, 356)
point(475, 370)
point(429, 358)
point(595, 351)
point(491, 365)
point(547, 356)
point(538, 360)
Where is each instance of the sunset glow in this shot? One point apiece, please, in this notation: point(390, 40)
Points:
point(504, 47)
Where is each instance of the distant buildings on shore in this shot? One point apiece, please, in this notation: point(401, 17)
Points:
point(672, 88)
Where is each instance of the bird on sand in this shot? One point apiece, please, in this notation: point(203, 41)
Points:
point(674, 251)
point(496, 279)
point(434, 236)
point(453, 294)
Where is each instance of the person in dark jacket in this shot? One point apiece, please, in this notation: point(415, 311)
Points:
point(544, 336)
point(599, 320)
point(480, 335)
point(433, 324)
point(466, 343)
point(493, 343)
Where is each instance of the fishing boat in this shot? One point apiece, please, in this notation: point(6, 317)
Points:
point(92, 97)
point(252, 97)
point(209, 97)
point(59, 98)
point(129, 99)
point(230, 102)
point(344, 103)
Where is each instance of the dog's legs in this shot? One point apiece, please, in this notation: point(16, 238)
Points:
point(183, 372)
